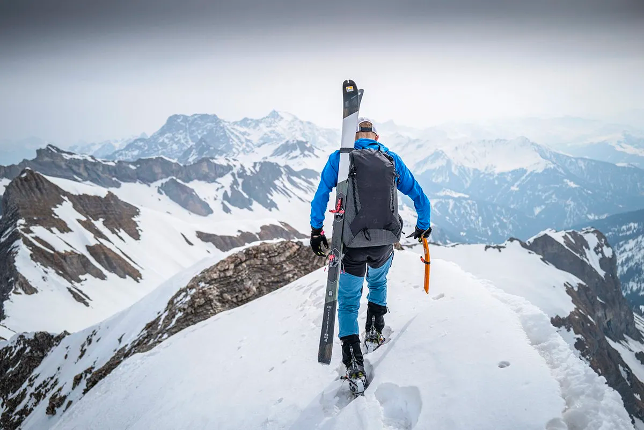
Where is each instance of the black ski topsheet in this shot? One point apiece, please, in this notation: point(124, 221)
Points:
point(351, 98)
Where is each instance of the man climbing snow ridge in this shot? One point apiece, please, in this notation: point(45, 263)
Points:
point(371, 227)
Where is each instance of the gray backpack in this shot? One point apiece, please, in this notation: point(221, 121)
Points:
point(371, 211)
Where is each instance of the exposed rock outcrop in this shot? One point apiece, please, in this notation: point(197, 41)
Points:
point(602, 296)
point(266, 232)
point(18, 360)
point(292, 149)
point(113, 262)
point(185, 197)
point(53, 161)
point(601, 313)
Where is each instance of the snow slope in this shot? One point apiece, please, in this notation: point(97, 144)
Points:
point(467, 356)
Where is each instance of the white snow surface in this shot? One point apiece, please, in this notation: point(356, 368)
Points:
point(516, 271)
point(451, 193)
point(467, 356)
point(628, 149)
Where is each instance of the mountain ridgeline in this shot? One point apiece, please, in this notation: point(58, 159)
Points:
point(481, 191)
point(189, 138)
point(72, 223)
point(154, 240)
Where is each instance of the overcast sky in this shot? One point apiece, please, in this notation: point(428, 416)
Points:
point(77, 69)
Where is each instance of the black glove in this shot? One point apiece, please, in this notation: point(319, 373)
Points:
point(419, 233)
point(317, 240)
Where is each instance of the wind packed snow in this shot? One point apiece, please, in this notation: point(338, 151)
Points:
point(516, 271)
point(467, 356)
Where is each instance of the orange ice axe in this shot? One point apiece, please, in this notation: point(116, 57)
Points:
point(427, 261)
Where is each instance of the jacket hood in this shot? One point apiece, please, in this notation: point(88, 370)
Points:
point(369, 143)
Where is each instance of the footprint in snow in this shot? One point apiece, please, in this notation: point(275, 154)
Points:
point(401, 406)
point(556, 424)
point(504, 364)
point(438, 296)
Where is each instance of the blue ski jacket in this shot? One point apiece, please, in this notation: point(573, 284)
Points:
point(406, 184)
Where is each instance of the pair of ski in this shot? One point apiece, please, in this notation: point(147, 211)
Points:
point(351, 98)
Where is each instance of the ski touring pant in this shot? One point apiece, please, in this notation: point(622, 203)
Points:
point(355, 262)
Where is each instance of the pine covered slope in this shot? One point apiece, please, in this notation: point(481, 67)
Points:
point(480, 351)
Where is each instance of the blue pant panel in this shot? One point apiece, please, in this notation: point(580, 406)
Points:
point(377, 281)
point(350, 292)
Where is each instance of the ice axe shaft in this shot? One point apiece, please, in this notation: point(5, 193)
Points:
point(427, 261)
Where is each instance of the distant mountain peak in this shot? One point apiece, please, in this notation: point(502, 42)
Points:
point(276, 115)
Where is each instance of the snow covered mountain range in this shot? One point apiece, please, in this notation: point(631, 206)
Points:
point(517, 187)
point(83, 238)
point(611, 141)
point(482, 190)
point(135, 256)
point(189, 138)
point(255, 183)
point(521, 335)
point(105, 148)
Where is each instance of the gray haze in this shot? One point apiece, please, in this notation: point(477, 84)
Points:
point(79, 70)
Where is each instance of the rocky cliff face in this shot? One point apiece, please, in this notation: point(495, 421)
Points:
point(256, 182)
point(185, 197)
point(122, 218)
point(266, 232)
point(602, 316)
point(18, 360)
point(44, 374)
point(625, 232)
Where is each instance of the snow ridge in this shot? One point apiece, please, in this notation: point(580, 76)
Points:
point(589, 405)
point(509, 370)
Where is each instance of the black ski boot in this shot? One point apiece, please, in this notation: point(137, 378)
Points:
point(374, 326)
point(354, 362)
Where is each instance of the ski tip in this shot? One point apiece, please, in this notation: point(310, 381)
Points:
point(349, 87)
